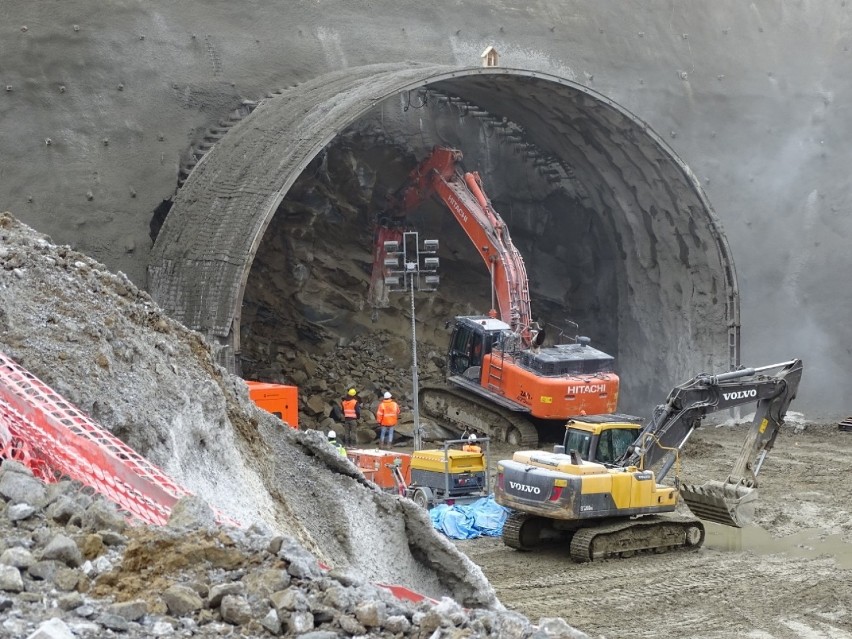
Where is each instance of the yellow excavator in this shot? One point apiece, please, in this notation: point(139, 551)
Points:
point(599, 492)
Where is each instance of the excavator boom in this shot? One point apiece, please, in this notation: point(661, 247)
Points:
point(730, 502)
point(439, 175)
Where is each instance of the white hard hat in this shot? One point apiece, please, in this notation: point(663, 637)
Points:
point(472, 438)
point(332, 434)
point(388, 395)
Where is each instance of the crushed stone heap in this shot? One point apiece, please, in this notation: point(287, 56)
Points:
point(104, 345)
point(71, 566)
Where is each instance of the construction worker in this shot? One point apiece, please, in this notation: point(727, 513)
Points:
point(387, 415)
point(332, 439)
point(471, 446)
point(351, 405)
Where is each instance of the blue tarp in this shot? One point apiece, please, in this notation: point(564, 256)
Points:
point(482, 517)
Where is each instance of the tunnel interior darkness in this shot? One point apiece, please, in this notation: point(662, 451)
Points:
point(616, 234)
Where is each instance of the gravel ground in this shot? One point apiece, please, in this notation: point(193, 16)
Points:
point(784, 577)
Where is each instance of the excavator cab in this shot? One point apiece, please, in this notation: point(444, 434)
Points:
point(489, 359)
point(601, 438)
point(473, 338)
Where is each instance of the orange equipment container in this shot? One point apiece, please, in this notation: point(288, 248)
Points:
point(279, 399)
point(378, 466)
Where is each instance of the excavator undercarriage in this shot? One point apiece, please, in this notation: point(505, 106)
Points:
point(467, 412)
point(616, 537)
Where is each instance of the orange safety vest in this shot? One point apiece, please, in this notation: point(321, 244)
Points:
point(388, 413)
point(471, 448)
point(349, 411)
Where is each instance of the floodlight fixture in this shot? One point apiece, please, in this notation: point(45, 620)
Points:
point(415, 272)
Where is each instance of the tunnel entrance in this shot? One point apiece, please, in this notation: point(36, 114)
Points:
point(267, 247)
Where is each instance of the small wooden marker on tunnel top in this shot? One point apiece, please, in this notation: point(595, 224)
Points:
point(489, 57)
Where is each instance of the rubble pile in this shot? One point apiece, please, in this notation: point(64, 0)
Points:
point(368, 364)
point(71, 566)
point(105, 346)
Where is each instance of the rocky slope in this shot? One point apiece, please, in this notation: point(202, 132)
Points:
point(104, 345)
point(71, 566)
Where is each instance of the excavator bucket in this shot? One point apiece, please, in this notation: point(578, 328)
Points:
point(725, 503)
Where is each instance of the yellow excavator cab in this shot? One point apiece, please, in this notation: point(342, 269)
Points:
point(601, 438)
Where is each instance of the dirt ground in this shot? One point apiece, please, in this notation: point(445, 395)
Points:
point(788, 575)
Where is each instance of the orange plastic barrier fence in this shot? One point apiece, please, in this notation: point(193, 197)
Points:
point(39, 428)
point(53, 438)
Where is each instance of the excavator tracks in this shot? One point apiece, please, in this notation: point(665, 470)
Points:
point(522, 531)
point(663, 533)
point(469, 412)
point(624, 539)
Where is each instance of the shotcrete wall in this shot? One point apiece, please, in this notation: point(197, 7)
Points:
point(101, 108)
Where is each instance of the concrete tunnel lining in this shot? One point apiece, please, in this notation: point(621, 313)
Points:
point(677, 283)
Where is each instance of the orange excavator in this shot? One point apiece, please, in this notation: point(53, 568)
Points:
point(501, 379)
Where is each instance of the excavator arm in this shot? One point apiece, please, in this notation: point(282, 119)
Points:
point(440, 176)
point(732, 501)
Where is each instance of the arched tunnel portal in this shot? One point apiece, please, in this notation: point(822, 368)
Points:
point(617, 234)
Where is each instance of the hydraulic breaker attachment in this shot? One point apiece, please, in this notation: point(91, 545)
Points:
point(722, 502)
